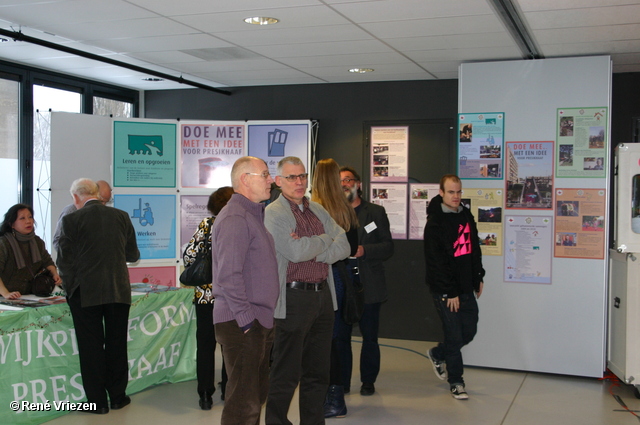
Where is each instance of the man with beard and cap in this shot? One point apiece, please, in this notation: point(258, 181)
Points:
point(375, 245)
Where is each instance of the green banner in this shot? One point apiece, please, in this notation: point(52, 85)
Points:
point(39, 355)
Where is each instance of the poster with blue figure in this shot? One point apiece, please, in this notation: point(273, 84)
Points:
point(144, 154)
point(272, 142)
point(154, 221)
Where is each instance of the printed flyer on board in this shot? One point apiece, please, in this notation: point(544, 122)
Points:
point(480, 145)
point(208, 151)
point(529, 175)
point(144, 154)
point(582, 142)
point(527, 257)
point(486, 207)
point(580, 223)
point(421, 194)
point(393, 197)
point(389, 154)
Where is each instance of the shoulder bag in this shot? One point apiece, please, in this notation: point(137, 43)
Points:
point(42, 284)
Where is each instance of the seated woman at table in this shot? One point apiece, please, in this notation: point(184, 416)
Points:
point(22, 253)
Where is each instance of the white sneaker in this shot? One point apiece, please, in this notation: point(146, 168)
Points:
point(458, 392)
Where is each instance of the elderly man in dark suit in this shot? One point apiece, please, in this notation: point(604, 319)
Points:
point(95, 245)
point(375, 245)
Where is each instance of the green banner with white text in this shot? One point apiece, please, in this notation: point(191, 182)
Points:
point(39, 355)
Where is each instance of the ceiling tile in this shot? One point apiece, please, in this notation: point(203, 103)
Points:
point(590, 17)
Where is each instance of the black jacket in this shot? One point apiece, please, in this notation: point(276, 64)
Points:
point(453, 268)
point(96, 242)
point(378, 247)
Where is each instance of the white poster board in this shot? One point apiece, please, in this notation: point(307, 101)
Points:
point(561, 327)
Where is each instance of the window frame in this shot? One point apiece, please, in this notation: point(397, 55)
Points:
point(30, 76)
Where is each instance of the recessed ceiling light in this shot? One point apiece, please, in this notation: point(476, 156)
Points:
point(360, 70)
point(261, 20)
point(152, 79)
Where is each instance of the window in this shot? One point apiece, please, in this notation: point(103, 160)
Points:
point(9, 125)
point(27, 95)
point(46, 100)
point(110, 107)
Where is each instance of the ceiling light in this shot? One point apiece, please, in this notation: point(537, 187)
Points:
point(261, 20)
point(153, 79)
point(360, 70)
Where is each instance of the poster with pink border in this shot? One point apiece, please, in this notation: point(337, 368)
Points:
point(389, 154)
point(165, 276)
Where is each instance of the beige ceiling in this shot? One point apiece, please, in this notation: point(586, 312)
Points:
point(316, 41)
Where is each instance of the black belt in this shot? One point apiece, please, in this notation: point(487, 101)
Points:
point(307, 286)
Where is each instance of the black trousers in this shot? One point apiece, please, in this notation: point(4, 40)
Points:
point(205, 351)
point(301, 354)
point(101, 332)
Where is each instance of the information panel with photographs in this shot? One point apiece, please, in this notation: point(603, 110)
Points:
point(580, 223)
point(582, 142)
point(480, 145)
point(486, 207)
point(389, 154)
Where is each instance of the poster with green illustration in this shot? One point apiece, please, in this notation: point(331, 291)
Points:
point(144, 154)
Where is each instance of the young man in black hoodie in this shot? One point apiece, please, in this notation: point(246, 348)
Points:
point(455, 277)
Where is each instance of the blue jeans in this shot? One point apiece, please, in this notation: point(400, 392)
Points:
point(370, 353)
point(459, 329)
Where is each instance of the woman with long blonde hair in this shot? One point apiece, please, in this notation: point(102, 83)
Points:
point(327, 191)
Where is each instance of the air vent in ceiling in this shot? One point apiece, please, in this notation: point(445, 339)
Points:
point(221, 54)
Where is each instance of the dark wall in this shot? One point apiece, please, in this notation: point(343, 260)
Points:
point(343, 112)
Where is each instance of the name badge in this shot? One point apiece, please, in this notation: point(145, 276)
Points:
point(370, 227)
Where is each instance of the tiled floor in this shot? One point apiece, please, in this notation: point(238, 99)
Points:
point(409, 393)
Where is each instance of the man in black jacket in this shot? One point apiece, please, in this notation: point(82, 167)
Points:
point(455, 277)
point(96, 242)
point(375, 246)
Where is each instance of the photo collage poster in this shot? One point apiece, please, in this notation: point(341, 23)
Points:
point(582, 142)
point(480, 145)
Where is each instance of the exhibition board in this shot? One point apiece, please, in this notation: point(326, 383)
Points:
point(543, 308)
point(39, 354)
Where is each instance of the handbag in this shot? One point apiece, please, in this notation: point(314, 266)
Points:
point(353, 304)
point(199, 272)
point(42, 284)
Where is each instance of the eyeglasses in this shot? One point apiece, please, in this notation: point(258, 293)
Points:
point(292, 177)
point(348, 180)
point(264, 174)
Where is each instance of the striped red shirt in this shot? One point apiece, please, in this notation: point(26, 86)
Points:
point(307, 225)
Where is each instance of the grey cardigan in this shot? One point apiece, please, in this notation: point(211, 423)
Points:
point(326, 248)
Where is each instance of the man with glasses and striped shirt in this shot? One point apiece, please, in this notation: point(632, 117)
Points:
point(307, 242)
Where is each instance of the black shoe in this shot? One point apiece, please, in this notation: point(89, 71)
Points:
point(124, 401)
point(99, 411)
point(205, 402)
point(367, 388)
point(334, 405)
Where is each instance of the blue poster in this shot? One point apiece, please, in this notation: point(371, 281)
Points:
point(144, 154)
point(272, 142)
point(154, 220)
